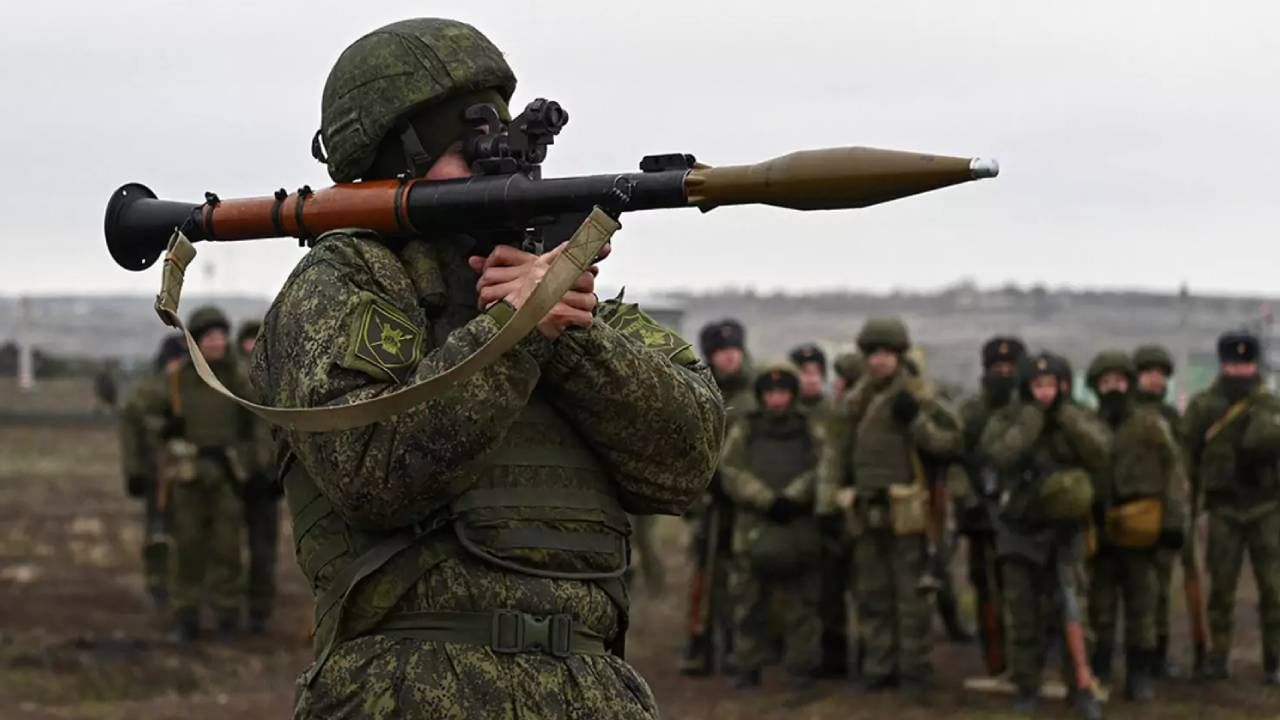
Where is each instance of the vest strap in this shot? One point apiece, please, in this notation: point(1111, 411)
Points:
point(578, 458)
point(546, 539)
point(506, 632)
point(531, 497)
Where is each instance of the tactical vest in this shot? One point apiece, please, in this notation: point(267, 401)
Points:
point(778, 454)
point(541, 505)
point(881, 449)
point(1137, 470)
point(210, 420)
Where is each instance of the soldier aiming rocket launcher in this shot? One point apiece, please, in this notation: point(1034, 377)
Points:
point(508, 201)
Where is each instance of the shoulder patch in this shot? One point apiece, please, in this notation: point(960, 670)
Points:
point(630, 320)
point(383, 342)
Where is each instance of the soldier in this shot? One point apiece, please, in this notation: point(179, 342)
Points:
point(1154, 367)
point(140, 428)
point(723, 344)
point(1045, 447)
point(207, 457)
point(769, 472)
point(811, 363)
point(1232, 437)
point(262, 495)
point(879, 433)
point(467, 553)
point(1139, 507)
point(848, 368)
point(976, 509)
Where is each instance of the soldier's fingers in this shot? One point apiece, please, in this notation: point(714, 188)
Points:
point(500, 275)
point(579, 300)
point(493, 293)
point(476, 263)
point(503, 255)
point(585, 283)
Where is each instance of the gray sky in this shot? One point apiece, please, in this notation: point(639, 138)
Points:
point(1137, 140)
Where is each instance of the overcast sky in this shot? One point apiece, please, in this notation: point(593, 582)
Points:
point(1138, 141)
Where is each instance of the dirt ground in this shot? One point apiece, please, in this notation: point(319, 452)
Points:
point(77, 639)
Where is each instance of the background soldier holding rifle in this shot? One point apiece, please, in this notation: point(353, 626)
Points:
point(1232, 436)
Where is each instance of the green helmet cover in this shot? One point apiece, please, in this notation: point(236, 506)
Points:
point(394, 71)
point(1153, 356)
point(850, 366)
point(883, 332)
point(205, 319)
point(1110, 361)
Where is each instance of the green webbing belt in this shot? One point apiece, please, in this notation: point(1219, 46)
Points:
point(531, 498)
point(544, 456)
point(502, 631)
point(539, 538)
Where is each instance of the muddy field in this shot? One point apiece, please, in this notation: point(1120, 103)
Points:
point(77, 639)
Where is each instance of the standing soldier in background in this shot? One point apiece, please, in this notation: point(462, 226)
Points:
point(811, 364)
point(262, 495)
point(837, 551)
point(1232, 437)
point(141, 423)
point(877, 436)
point(769, 473)
point(1139, 508)
point(976, 510)
point(723, 344)
point(1045, 448)
point(1154, 367)
point(849, 368)
point(208, 455)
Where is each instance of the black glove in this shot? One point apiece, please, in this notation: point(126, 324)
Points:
point(905, 407)
point(831, 526)
point(784, 509)
point(174, 427)
point(1172, 538)
point(261, 486)
point(136, 486)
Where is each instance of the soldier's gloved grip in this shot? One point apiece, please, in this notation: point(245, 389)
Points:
point(905, 407)
point(831, 526)
point(137, 486)
point(1172, 538)
point(784, 509)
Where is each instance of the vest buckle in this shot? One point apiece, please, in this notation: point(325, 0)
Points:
point(515, 632)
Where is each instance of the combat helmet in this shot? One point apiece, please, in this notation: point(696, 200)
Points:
point(205, 319)
point(394, 72)
point(883, 332)
point(1110, 361)
point(1153, 356)
point(249, 329)
point(777, 375)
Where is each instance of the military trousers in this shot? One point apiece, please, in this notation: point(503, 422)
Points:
point(377, 677)
point(894, 617)
point(208, 525)
point(1034, 610)
point(835, 575)
point(1128, 577)
point(1232, 533)
point(1164, 560)
point(769, 612)
point(156, 540)
point(262, 520)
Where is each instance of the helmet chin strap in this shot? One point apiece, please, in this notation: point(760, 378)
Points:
point(416, 159)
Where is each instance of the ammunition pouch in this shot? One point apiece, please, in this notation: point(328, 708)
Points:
point(870, 512)
point(909, 509)
point(1067, 496)
point(1135, 524)
point(781, 549)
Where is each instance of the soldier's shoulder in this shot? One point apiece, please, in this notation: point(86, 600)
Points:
point(1149, 424)
point(632, 321)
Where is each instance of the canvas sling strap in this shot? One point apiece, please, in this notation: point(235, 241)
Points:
point(577, 257)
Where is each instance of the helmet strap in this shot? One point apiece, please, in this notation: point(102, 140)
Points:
point(416, 158)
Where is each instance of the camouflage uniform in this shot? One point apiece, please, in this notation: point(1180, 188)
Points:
point(209, 454)
point(141, 424)
point(1028, 446)
point(1145, 464)
point(262, 495)
point(1232, 438)
point(872, 438)
point(466, 554)
point(773, 577)
point(976, 508)
point(1145, 357)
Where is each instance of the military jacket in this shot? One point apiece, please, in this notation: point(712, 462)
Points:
point(818, 407)
point(1237, 466)
point(1146, 462)
point(530, 461)
point(867, 444)
point(1026, 447)
point(141, 421)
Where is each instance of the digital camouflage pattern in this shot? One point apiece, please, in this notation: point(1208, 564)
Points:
point(1025, 444)
point(1235, 473)
point(767, 456)
point(868, 444)
point(651, 417)
point(388, 73)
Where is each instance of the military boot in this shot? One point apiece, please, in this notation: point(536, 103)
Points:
point(186, 626)
point(696, 660)
point(1100, 661)
point(228, 625)
point(1271, 669)
point(835, 656)
point(1087, 705)
point(747, 679)
point(1137, 682)
point(257, 622)
point(1026, 700)
point(1215, 668)
point(1161, 666)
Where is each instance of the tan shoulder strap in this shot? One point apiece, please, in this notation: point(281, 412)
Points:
point(582, 250)
point(1237, 409)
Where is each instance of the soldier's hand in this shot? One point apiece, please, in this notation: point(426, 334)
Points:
point(784, 509)
point(905, 407)
point(511, 274)
point(1172, 538)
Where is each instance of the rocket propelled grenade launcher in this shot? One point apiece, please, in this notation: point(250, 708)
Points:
point(507, 200)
